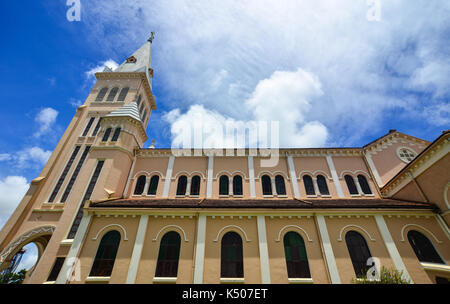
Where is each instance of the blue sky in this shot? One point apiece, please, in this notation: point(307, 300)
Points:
point(334, 73)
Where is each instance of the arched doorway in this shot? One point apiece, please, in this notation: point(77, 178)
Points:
point(30, 245)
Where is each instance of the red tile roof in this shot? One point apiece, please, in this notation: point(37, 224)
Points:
point(262, 203)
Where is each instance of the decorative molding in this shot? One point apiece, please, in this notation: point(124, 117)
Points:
point(230, 174)
point(446, 189)
point(193, 173)
point(292, 226)
point(231, 226)
point(365, 231)
point(355, 173)
point(402, 233)
point(112, 225)
point(23, 238)
point(148, 174)
point(313, 174)
point(170, 226)
point(273, 174)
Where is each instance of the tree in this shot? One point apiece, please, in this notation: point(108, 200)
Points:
point(387, 276)
point(12, 277)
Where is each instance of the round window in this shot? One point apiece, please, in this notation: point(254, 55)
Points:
point(406, 154)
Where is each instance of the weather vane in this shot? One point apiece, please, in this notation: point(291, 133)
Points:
point(152, 36)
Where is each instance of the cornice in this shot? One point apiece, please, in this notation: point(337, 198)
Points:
point(421, 163)
point(392, 138)
point(301, 152)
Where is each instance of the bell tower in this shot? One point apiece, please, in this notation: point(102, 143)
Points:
point(91, 161)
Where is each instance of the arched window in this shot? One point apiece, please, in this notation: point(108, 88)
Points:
point(182, 184)
point(309, 186)
point(140, 184)
point(101, 94)
point(116, 134)
point(364, 184)
point(106, 255)
point(123, 94)
point(112, 94)
point(351, 185)
point(322, 184)
point(279, 185)
point(195, 185)
point(296, 258)
point(237, 185)
point(224, 185)
point(169, 254)
point(232, 265)
point(145, 116)
point(106, 135)
point(359, 252)
point(153, 185)
point(423, 248)
point(266, 185)
point(138, 101)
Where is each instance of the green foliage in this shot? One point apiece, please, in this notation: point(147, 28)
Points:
point(12, 278)
point(387, 276)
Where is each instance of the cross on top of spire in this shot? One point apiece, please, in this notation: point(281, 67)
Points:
point(152, 36)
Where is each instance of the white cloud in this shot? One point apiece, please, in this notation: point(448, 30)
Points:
point(366, 69)
point(438, 115)
point(100, 67)
point(5, 156)
point(285, 98)
point(12, 190)
point(45, 118)
point(33, 157)
point(75, 102)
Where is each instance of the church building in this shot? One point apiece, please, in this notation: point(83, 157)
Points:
point(106, 210)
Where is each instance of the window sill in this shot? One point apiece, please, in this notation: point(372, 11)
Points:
point(436, 267)
point(268, 196)
point(97, 279)
point(301, 281)
point(180, 196)
point(238, 196)
point(371, 195)
point(326, 195)
point(223, 196)
point(312, 196)
point(49, 282)
point(355, 195)
point(232, 280)
point(66, 242)
point(282, 196)
point(165, 280)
